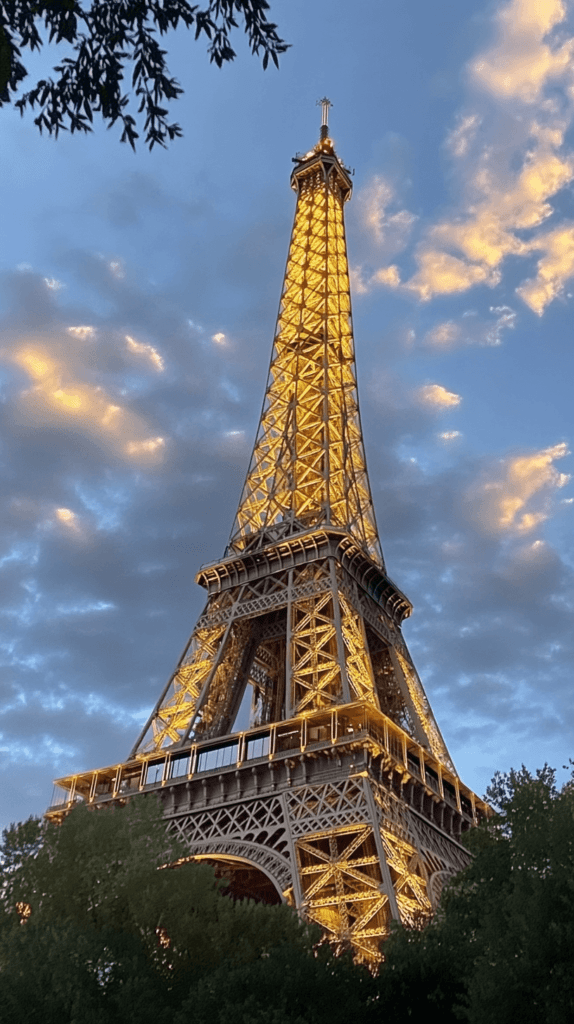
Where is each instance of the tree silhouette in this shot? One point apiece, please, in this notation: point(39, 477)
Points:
point(111, 39)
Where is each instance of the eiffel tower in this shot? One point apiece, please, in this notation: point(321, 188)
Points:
point(294, 746)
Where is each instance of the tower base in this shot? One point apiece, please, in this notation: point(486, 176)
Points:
point(341, 814)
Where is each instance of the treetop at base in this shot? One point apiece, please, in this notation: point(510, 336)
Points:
point(113, 936)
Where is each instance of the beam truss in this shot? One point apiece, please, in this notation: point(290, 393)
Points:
point(355, 823)
point(308, 462)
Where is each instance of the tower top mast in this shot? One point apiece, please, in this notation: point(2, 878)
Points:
point(325, 103)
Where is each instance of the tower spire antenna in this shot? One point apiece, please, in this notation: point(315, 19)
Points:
point(325, 103)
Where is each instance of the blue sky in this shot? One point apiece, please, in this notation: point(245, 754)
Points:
point(138, 301)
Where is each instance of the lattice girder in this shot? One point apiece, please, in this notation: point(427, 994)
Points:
point(314, 617)
point(341, 880)
point(345, 861)
point(308, 460)
point(295, 734)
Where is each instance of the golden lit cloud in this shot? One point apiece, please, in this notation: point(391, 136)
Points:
point(487, 234)
point(511, 164)
point(148, 351)
point(70, 522)
point(522, 59)
point(442, 274)
point(520, 496)
point(438, 397)
point(110, 414)
point(555, 267)
point(68, 519)
point(65, 515)
point(37, 364)
point(57, 396)
point(387, 275)
point(361, 285)
point(70, 400)
point(218, 338)
point(450, 435)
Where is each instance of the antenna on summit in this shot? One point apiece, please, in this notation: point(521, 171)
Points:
point(324, 104)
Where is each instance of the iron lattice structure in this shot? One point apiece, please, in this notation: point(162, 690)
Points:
point(294, 736)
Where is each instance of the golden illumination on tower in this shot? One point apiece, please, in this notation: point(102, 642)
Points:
point(307, 478)
point(295, 736)
point(308, 463)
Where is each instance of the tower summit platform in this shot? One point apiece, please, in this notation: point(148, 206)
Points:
point(294, 746)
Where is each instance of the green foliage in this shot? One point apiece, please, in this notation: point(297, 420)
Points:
point(117, 936)
point(501, 948)
point(284, 987)
point(114, 934)
point(108, 39)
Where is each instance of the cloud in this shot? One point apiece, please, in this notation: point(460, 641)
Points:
point(512, 162)
point(441, 273)
point(444, 335)
point(554, 269)
point(388, 276)
point(58, 396)
point(117, 268)
point(362, 284)
point(150, 446)
point(459, 140)
point(359, 282)
point(388, 227)
point(491, 631)
point(520, 494)
point(386, 230)
point(148, 351)
point(487, 233)
point(522, 60)
point(69, 518)
point(519, 166)
point(438, 397)
point(471, 329)
point(121, 481)
point(82, 332)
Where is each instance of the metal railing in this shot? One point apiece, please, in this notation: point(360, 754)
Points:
point(351, 723)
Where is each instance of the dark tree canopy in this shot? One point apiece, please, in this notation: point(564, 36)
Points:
point(500, 949)
point(95, 929)
point(109, 40)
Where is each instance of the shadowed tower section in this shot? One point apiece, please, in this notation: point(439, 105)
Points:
point(294, 736)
